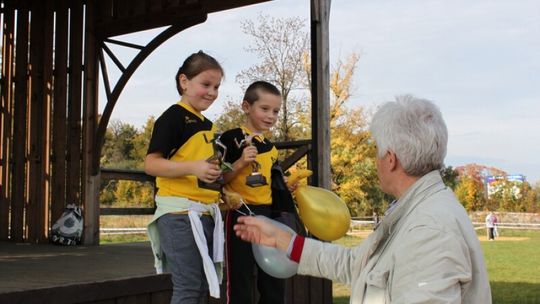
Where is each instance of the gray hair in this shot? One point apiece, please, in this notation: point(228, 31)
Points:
point(414, 129)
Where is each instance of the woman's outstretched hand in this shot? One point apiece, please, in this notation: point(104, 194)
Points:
point(260, 231)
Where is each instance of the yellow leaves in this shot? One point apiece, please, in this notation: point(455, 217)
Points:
point(340, 84)
point(470, 192)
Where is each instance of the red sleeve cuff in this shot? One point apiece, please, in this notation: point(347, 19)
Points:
point(298, 247)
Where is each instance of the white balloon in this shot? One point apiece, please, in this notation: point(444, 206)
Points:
point(272, 260)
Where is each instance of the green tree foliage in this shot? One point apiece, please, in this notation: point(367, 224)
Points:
point(125, 148)
point(118, 149)
point(450, 176)
point(141, 142)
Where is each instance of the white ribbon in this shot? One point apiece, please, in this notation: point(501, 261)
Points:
point(212, 277)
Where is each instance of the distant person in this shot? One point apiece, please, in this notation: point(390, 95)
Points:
point(187, 229)
point(252, 156)
point(425, 250)
point(491, 225)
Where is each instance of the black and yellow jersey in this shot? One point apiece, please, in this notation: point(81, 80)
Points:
point(182, 134)
point(266, 157)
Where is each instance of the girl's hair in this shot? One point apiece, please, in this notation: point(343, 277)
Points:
point(195, 64)
point(254, 89)
point(414, 129)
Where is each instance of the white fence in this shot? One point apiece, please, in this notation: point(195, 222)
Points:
point(523, 226)
point(110, 231)
point(355, 224)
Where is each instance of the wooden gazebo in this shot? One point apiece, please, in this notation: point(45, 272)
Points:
point(52, 58)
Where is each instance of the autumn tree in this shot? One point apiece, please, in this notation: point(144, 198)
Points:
point(354, 170)
point(280, 44)
point(353, 153)
point(133, 193)
point(535, 189)
point(497, 193)
point(478, 172)
point(141, 141)
point(470, 192)
point(516, 196)
point(232, 116)
point(529, 200)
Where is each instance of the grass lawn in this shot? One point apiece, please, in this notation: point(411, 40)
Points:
point(122, 238)
point(513, 262)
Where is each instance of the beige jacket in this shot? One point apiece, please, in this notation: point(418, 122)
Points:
point(424, 251)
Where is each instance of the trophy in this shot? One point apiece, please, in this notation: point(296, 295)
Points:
point(256, 178)
point(219, 158)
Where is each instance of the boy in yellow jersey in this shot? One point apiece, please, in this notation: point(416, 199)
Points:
point(252, 156)
point(187, 230)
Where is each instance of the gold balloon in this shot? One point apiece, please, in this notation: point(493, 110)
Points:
point(324, 213)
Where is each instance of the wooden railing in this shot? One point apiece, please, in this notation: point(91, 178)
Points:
point(303, 147)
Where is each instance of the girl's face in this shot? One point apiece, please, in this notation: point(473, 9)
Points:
point(201, 91)
point(263, 113)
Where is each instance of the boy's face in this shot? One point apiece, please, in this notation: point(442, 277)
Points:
point(202, 90)
point(263, 113)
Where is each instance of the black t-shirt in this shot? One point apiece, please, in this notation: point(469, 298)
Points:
point(181, 134)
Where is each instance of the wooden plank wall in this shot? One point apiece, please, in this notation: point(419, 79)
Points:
point(6, 117)
point(40, 119)
point(59, 132)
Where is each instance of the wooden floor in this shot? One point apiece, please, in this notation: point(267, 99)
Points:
point(75, 274)
point(107, 274)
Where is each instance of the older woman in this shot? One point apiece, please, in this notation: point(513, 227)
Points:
point(425, 249)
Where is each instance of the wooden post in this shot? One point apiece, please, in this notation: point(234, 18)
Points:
point(320, 290)
point(320, 92)
point(91, 179)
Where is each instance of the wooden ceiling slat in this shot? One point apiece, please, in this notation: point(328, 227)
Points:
point(120, 17)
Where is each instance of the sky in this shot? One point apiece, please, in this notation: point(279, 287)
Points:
point(479, 61)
